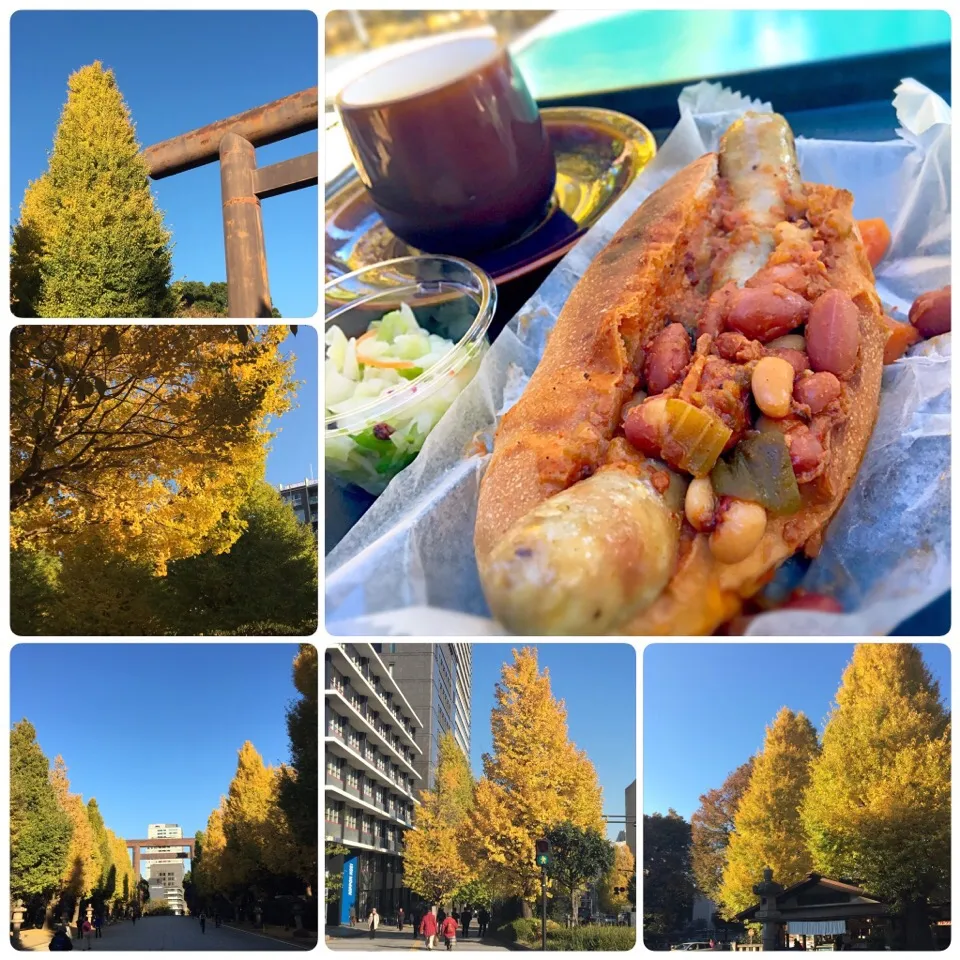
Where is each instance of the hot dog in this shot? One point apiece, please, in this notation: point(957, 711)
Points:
point(731, 333)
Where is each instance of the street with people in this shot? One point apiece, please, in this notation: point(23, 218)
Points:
point(166, 933)
point(390, 938)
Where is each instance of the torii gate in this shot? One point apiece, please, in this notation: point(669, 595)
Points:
point(243, 185)
point(175, 842)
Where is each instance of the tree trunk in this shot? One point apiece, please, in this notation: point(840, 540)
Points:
point(573, 906)
point(916, 924)
point(48, 912)
point(527, 909)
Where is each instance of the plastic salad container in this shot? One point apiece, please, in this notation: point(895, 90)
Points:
point(403, 338)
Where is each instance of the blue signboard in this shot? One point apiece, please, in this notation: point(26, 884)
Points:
point(348, 891)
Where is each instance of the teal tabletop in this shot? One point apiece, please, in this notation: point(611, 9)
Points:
point(646, 47)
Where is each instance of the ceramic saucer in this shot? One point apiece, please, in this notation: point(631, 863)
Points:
point(599, 154)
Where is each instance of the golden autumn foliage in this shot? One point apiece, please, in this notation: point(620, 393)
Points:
point(768, 831)
point(624, 867)
point(534, 779)
point(82, 871)
point(146, 439)
point(433, 865)
point(878, 805)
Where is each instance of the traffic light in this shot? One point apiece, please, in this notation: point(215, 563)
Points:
point(617, 890)
point(543, 852)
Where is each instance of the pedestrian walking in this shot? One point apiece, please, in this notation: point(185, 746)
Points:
point(441, 916)
point(400, 919)
point(483, 920)
point(448, 930)
point(465, 919)
point(353, 915)
point(97, 927)
point(428, 929)
point(87, 929)
point(373, 921)
point(61, 940)
point(216, 919)
point(134, 919)
point(203, 922)
point(415, 916)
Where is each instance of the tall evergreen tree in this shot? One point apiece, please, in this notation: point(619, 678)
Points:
point(39, 829)
point(711, 827)
point(577, 857)
point(90, 242)
point(768, 832)
point(878, 806)
point(269, 575)
point(299, 795)
point(667, 878)
point(535, 778)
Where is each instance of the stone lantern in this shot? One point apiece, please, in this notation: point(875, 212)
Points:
point(768, 914)
point(17, 910)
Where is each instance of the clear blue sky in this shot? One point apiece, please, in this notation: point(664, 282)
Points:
point(179, 70)
point(598, 683)
point(296, 447)
point(706, 707)
point(152, 730)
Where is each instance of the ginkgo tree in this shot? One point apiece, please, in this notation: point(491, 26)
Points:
point(878, 805)
point(534, 779)
point(146, 438)
point(767, 827)
point(433, 865)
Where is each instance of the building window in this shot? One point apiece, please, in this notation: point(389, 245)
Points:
point(337, 725)
point(353, 778)
point(333, 766)
point(351, 819)
point(332, 814)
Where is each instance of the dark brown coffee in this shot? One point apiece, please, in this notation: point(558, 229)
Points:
point(448, 141)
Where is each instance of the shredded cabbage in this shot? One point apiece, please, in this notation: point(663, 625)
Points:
point(394, 350)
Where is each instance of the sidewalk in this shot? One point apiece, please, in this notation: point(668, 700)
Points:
point(276, 932)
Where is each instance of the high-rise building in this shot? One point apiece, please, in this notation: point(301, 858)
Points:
point(371, 747)
point(438, 681)
point(165, 876)
point(630, 802)
point(303, 497)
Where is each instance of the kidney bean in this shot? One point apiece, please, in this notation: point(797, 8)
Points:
point(796, 358)
point(806, 451)
point(666, 357)
point(930, 313)
point(817, 391)
point(765, 313)
point(813, 601)
point(791, 341)
point(833, 334)
point(643, 426)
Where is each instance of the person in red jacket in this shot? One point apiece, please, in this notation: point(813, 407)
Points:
point(448, 930)
point(428, 928)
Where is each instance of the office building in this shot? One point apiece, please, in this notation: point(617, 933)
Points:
point(437, 678)
point(371, 746)
point(303, 497)
point(165, 876)
point(630, 802)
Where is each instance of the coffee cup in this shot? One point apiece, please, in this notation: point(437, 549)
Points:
point(449, 143)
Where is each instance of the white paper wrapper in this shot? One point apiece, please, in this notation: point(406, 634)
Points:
point(887, 552)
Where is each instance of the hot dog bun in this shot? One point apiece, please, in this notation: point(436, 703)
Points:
point(579, 563)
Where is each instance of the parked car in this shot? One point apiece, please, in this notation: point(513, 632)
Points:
point(693, 945)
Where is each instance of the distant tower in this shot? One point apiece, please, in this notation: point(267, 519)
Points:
point(165, 876)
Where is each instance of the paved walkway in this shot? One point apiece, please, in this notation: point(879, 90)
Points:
point(177, 933)
point(345, 938)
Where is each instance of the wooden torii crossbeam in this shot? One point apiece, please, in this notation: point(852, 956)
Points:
point(243, 185)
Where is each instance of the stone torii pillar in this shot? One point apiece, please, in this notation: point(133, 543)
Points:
point(768, 914)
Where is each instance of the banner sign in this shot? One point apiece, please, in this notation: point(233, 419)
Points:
point(348, 890)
